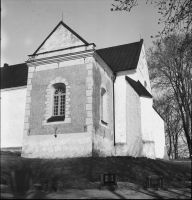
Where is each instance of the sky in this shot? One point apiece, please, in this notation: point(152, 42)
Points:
point(26, 23)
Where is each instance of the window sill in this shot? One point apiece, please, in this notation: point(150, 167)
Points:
point(56, 119)
point(66, 121)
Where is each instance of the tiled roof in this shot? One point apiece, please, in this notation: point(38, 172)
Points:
point(14, 76)
point(138, 87)
point(118, 58)
point(123, 57)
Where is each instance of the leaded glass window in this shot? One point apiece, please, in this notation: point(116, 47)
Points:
point(59, 100)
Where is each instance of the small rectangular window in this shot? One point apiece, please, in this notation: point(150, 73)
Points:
point(104, 106)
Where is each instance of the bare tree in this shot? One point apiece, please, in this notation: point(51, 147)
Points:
point(170, 65)
point(173, 126)
point(170, 59)
point(176, 15)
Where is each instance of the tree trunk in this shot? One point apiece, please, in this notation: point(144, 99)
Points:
point(189, 145)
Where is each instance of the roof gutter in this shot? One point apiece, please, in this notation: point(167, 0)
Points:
point(115, 75)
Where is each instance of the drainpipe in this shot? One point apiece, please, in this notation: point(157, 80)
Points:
point(114, 106)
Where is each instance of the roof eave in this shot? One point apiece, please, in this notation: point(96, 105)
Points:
point(62, 49)
point(104, 61)
point(147, 95)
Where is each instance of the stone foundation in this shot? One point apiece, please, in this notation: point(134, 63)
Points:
point(63, 146)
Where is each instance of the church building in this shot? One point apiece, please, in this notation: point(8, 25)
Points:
point(71, 100)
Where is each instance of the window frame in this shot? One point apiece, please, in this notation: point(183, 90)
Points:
point(49, 118)
point(57, 118)
point(59, 99)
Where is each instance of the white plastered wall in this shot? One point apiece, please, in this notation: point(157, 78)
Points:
point(120, 109)
point(158, 134)
point(133, 122)
point(142, 70)
point(147, 127)
point(120, 104)
point(148, 132)
point(12, 116)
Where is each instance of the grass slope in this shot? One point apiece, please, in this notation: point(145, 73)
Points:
point(79, 173)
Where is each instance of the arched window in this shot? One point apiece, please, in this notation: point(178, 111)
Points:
point(104, 105)
point(58, 112)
